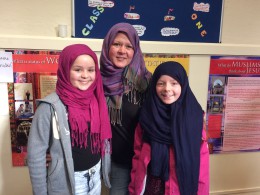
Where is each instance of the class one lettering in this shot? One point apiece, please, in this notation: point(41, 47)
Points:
point(93, 19)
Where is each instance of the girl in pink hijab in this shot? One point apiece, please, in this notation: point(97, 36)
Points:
point(73, 125)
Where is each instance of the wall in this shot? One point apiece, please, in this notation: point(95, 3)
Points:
point(33, 25)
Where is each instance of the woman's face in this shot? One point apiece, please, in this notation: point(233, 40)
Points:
point(168, 89)
point(121, 51)
point(82, 72)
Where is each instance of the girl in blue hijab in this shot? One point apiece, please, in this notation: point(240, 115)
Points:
point(171, 123)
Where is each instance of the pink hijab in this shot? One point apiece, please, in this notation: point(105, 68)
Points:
point(79, 102)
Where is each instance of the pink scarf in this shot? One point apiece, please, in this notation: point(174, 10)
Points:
point(79, 103)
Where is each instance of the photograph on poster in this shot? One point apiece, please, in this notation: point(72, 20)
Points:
point(24, 109)
point(23, 91)
point(20, 77)
point(233, 105)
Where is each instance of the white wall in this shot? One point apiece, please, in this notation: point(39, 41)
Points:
point(33, 25)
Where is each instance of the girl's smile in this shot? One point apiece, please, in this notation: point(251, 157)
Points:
point(82, 72)
point(168, 89)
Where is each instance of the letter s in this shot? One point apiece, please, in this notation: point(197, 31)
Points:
point(101, 9)
point(95, 12)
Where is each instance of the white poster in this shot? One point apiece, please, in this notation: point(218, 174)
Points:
point(6, 67)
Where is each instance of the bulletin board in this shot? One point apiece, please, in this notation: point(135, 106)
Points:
point(164, 20)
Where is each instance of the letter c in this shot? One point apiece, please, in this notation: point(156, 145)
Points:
point(84, 32)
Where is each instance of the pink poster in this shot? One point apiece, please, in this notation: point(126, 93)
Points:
point(233, 106)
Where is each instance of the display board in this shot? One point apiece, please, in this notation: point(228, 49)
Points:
point(233, 106)
point(164, 20)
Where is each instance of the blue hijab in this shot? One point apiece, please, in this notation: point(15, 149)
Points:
point(179, 124)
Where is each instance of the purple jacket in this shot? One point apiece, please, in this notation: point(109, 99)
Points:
point(142, 158)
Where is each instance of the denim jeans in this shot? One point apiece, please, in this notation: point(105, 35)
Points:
point(119, 179)
point(88, 182)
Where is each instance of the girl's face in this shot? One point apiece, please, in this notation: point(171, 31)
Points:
point(121, 51)
point(82, 72)
point(168, 89)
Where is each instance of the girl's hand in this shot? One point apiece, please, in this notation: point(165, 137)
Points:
point(48, 159)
